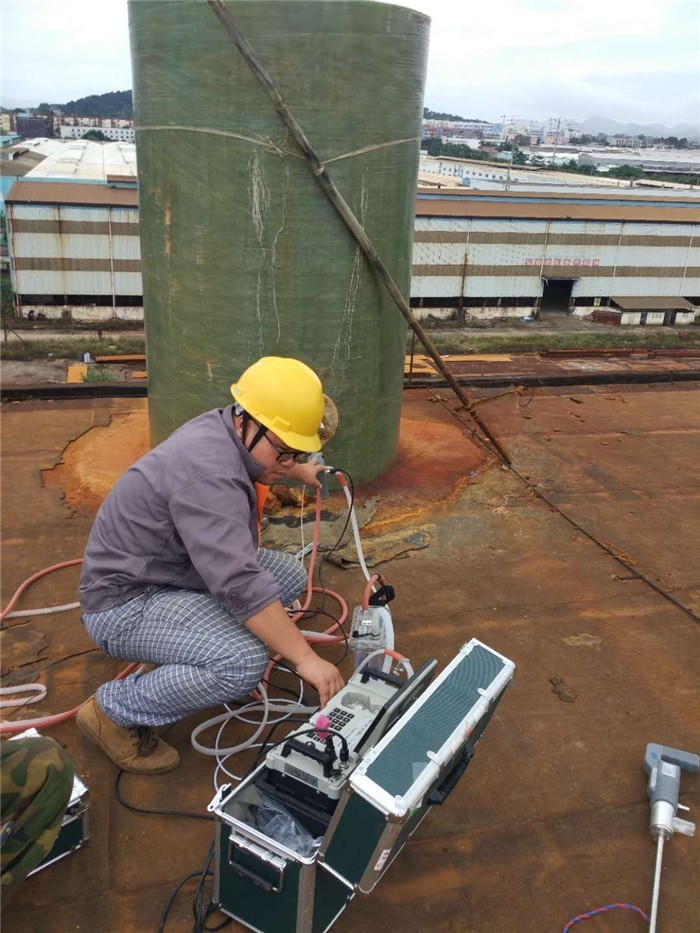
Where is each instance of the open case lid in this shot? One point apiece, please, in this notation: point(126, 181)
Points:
point(397, 773)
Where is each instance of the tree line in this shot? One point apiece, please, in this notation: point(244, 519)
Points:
point(112, 104)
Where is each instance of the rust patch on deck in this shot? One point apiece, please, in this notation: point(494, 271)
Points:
point(92, 463)
point(435, 461)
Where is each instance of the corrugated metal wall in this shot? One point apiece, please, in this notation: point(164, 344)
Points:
point(66, 250)
point(60, 250)
point(485, 257)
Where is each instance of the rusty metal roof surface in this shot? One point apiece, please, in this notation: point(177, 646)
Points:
point(551, 818)
point(660, 303)
point(639, 211)
point(604, 194)
point(25, 161)
point(47, 192)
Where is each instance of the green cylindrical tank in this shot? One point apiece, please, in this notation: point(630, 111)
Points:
point(242, 254)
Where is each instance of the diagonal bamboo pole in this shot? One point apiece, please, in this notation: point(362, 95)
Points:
point(346, 214)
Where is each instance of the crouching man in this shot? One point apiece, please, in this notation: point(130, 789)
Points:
point(173, 574)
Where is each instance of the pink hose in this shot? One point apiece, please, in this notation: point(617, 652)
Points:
point(7, 727)
point(23, 586)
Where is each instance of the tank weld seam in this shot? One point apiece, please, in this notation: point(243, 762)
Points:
point(268, 144)
point(393, 142)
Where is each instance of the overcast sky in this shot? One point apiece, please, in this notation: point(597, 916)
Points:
point(628, 60)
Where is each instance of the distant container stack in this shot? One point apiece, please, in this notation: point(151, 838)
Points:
point(243, 256)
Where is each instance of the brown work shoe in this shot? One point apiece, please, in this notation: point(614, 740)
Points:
point(137, 749)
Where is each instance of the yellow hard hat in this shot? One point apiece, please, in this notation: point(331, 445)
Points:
point(286, 396)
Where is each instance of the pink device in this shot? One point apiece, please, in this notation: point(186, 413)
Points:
point(322, 725)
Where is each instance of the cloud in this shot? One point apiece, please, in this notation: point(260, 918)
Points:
point(539, 59)
point(622, 59)
point(59, 50)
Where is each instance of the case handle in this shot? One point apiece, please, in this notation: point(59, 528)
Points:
point(252, 876)
point(438, 795)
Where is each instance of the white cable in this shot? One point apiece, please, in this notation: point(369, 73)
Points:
point(23, 688)
point(319, 636)
point(223, 718)
point(281, 705)
point(301, 523)
point(266, 707)
point(220, 766)
point(389, 628)
point(356, 532)
point(405, 663)
point(365, 661)
point(41, 612)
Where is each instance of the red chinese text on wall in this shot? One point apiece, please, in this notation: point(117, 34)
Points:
point(562, 262)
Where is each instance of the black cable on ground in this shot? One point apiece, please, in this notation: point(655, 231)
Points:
point(135, 809)
point(603, 546)
point(199, 912)
point(171, 899)
point(212, 908)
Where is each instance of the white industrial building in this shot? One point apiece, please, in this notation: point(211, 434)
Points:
point(75, 250)
point(119, 129)
point(498, 173)
point(631, 256)
point(481, 255)
point(116, 133)
point(86, 162)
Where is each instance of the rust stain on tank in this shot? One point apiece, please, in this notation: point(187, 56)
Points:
point(92, 463)
point(435, 461)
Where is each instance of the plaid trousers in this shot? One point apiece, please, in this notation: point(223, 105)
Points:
point(206, 656)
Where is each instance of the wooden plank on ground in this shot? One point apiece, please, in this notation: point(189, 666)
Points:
point(76, 372)
point(421, 364)
point(122, 358)
point(477, 358)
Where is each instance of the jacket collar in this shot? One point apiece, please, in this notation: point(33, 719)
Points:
point(252, 467)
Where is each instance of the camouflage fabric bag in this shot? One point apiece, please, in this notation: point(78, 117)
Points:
point(36, 780)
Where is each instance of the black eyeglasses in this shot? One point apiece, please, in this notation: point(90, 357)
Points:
point(286, 453)
point(283, 453)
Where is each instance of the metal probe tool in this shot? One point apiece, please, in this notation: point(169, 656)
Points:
point(321, 477)
point(664, 766)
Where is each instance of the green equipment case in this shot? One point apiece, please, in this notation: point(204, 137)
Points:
point(415, 765)
point(261, 882)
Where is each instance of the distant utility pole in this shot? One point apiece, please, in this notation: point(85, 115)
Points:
point(556, 142)
point(510, 166)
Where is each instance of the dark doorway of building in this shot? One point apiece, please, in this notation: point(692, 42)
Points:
point(556, 296)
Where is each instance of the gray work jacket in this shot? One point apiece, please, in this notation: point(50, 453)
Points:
point(183, 515)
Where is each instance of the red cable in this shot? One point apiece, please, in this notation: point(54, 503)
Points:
point(44, 721)
point(23, 586)
point(375, 578)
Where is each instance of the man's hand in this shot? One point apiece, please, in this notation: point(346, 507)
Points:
point(322, 675)
point(306, 473)
point(273, 626)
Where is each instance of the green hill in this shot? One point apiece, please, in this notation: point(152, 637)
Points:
point(112, 104)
